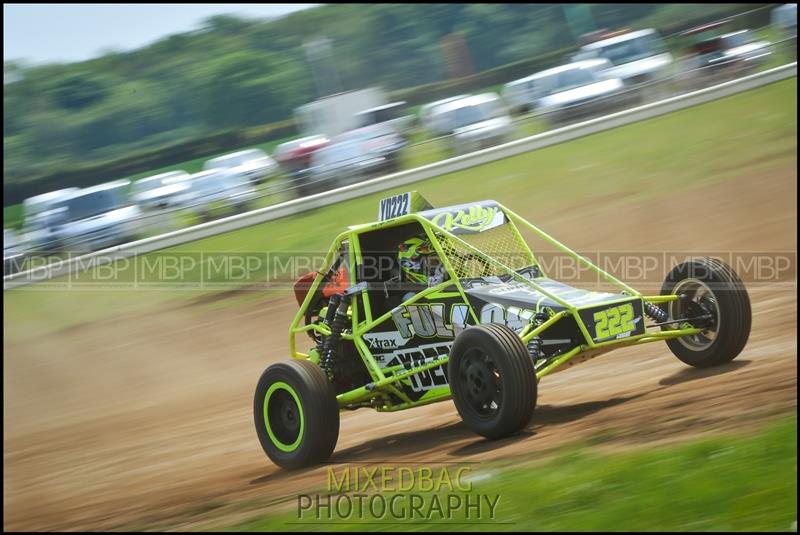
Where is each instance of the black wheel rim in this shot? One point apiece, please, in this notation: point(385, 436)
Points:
point(284, 416)
point(697, 299)
point(481, 383)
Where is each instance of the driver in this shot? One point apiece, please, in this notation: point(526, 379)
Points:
point(419, 263)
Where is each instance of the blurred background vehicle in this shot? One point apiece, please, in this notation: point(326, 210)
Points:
point(393, 115)
point(217, 191)
point(335, 114)
point(696, 44)
point(380, 139)
point(342, 162)
point(13, 253)
point(578, 89)
point(96, 217)
point(712, 54)
point(744, 49)
point(40, 217)
point(520, 95)
point(294, 157)
point(159, 191)
point(784, 20)
point(431, 120)
point(638, 57)
point(474, 122)
point(253, 164)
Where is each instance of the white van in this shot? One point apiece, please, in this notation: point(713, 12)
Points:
point(636, 57)
point(474, 122)
point(97, 217)
point(160, 191)
point(429, 118)
point(39, 219)
point(214, 189)
point(253, 164)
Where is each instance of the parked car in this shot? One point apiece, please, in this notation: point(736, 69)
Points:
point(13, 254)
point(430, 120)
point(96, 217)
point(46, 201)
point(254, 164)
point(381, 139)
point(636, 57)
point(160, 191)
point(578, 89)
point(519, 95)
point(745, 48)
point(474, 122)
point(294, 157)
point(710, 55)
point(340, 163)
point(392, 115)
point(216, 191)
point(39, 219)
point(784, 20)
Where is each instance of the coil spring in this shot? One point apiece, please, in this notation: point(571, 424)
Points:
point(535, 343)
point(535, 348)
point(654, 313)
point(328, 356)
point(333, 304)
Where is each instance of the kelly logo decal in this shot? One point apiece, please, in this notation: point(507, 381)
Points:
point(474, 219)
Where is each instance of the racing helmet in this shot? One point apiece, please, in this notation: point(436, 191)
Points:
point(418, 261)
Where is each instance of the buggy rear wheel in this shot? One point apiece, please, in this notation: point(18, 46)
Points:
point(296, 414)
point(708, 288)
point(492, 380)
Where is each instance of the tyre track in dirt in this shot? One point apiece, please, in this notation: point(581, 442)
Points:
point(145, 420)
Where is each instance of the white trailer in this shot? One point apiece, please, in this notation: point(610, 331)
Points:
point(335, 114)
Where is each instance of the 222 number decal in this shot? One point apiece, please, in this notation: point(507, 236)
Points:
point(613, 321)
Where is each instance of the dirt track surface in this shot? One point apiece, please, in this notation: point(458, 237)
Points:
point(144, 421)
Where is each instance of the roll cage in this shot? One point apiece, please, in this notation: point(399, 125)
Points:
point(457, 235)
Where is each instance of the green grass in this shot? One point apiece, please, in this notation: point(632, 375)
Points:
point(745, 134)
point(738, 483)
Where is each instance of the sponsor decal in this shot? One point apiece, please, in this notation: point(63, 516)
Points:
point(475, 218)
point(513, 317)
point(428, 320)
point(417, 356)
point(385, 340)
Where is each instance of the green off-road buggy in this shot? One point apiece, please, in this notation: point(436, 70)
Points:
point(483, 332)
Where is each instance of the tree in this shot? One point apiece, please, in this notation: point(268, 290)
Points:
point(248, 89)
point(76, 91)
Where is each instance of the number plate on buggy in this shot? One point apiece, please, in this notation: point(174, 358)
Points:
point(615, 321)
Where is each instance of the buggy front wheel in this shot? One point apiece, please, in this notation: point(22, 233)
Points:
point(492, 380)
point(708, 289)
point(296, 414)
